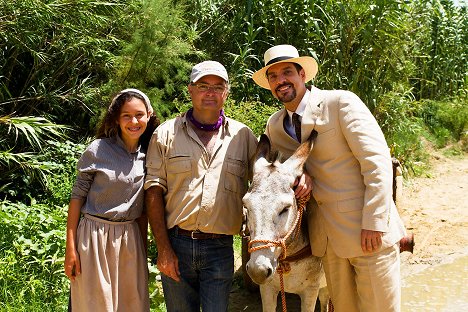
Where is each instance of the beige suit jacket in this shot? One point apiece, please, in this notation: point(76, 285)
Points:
point(352, 171)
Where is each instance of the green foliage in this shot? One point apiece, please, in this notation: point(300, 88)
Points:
point(32, 129)
point(31, 263)
point(439, 48)
point(397, 115)
point(154, 60)
point(368, 47)
point(60, 179)
point(388, 52)
point(253, 114)
point(23, 139)
point(61, 61)
point(447, 120)
point(56, 52)
point(360, 45)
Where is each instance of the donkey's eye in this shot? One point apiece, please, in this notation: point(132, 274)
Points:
point(285, 209)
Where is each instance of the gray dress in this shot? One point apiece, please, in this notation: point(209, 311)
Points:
point(114, 272)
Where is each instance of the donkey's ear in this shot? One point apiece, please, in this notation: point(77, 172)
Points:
point(263, 148)
point(295, 163)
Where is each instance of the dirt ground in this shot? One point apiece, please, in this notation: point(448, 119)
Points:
point(434, 208)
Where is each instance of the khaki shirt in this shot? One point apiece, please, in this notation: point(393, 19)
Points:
point(201, 193)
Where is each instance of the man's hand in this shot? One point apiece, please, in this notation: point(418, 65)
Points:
point(303, 185)
point(168, 264)
point(371, 240)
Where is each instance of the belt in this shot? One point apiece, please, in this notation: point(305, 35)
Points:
point(197, 234)
point(120, 220)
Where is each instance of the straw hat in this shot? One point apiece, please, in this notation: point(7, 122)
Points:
point(284, 53)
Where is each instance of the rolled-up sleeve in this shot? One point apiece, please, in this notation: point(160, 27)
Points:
point(86, 171)
point(82, 185)
point(155, 170)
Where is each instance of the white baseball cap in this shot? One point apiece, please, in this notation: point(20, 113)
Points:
point(208, 68)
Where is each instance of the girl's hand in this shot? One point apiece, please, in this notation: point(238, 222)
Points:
point(72, 264)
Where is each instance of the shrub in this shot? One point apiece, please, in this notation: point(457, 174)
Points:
point(397, 115)
point(447, 120)
point(31, 262)
point(60, 180)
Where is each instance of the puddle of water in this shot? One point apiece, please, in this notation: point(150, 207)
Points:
point(439, 289)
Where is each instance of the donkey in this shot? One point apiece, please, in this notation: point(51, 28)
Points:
point(277, 239)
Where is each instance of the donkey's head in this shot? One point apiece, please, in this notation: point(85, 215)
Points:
point(271, 206)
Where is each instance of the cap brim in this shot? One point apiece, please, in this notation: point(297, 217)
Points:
point(309, 64)
point(211, 73)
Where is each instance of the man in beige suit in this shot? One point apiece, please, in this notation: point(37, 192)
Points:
point(353, 223)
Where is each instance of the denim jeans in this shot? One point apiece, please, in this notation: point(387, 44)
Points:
point(206, 270)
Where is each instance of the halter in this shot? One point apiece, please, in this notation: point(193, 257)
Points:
point(284, 260)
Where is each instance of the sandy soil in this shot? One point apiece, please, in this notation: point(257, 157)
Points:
point(434, 208)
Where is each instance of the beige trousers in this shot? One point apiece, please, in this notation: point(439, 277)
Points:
point(114, 271)
point(364, 284)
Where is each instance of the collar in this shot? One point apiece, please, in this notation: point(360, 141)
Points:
point(118, 140)
point(206, 127)
point(185, 120)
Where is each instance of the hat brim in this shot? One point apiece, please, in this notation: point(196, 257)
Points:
point(212, 73)
point(309, 64)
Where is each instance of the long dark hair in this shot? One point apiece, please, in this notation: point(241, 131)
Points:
point(109, 127)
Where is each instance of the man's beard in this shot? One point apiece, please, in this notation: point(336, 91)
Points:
point(288, 97)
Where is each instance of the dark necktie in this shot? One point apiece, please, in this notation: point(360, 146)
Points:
point(297, 125)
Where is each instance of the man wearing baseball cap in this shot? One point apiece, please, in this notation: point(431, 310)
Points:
point(354, 225)
point(198, 167)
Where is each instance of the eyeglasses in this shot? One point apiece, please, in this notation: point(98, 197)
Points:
point(203, 87)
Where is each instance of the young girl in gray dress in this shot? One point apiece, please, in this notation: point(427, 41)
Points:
point(105, 257)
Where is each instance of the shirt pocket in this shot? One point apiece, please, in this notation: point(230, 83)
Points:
point(234, 175)
point(352, 204)
point(179, 172)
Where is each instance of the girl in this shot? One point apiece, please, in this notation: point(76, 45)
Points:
point(105, 256)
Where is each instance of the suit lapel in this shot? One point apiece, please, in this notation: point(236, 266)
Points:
point(312, 112)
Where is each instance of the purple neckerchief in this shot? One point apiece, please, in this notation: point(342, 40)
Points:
point(206, 127)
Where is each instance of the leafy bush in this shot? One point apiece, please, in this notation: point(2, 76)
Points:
point(22, 170)
point(60, 180)
point(31, 257)
point(253, 114)
point(154, 59)
point(447, 120)
point(397, 114)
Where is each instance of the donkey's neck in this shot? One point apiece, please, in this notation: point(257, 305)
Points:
point(299, 241)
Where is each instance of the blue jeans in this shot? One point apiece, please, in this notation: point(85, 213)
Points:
point(206, 269)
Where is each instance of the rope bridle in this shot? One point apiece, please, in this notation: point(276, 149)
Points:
point(283, 266)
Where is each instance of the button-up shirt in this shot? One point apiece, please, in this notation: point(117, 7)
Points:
point(110, 180)
point(288, 123)
point(201, 192)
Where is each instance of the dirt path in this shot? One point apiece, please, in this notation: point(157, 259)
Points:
point(434, 208)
